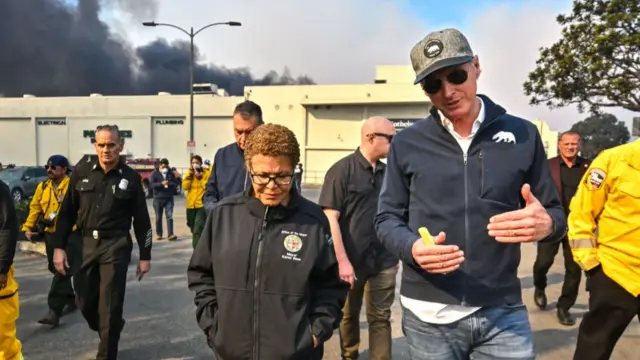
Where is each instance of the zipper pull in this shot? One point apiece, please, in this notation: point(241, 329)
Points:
point(465, 158)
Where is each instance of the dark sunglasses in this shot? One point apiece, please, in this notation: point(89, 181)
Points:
point(457, 77)
point(52, 167)
point(386, 136)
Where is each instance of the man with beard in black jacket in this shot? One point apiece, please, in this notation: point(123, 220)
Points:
point(264, 272)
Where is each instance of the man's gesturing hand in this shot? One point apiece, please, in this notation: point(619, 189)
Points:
point(532, 223)
point(437, 259)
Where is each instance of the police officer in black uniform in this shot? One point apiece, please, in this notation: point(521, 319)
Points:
point(104, 195)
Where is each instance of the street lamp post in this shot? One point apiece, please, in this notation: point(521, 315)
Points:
point(191, 34)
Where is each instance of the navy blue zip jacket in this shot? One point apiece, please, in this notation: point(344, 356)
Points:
point(229, 176)
point(159, 191)
point(429, 182)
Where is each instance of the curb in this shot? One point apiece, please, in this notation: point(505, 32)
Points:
point(32, 247)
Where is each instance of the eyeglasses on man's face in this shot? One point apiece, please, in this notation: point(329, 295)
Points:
point(265, 179)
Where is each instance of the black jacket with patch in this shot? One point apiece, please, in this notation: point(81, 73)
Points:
point(266, 279)
point(8, 229)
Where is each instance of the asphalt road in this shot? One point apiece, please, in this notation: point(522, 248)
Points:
point(161, 319)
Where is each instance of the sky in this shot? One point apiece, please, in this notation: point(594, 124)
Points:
point(341, 41)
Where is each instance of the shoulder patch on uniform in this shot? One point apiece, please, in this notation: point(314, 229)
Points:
point(595, 179)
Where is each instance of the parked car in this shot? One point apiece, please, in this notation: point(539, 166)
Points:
point(23, 180)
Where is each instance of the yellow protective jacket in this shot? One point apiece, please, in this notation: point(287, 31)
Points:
point(608, 198)
point(10, 346)
point(195, 188)
point(46, 201)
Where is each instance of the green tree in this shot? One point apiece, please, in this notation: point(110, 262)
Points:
point(596, 63)
point(600, 132)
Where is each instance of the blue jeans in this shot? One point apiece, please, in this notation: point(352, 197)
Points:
point(165, 205)
point(499, 332)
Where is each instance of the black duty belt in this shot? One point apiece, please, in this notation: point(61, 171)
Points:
point(104, 234)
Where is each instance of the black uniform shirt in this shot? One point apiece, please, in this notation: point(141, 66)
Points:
point(105, 202)
point(570, 179)
point(8, 229)
point(352, 187)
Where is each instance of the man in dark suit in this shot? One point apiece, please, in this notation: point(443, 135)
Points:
point(567, 170)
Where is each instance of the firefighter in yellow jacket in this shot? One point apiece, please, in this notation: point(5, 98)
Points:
point(41, 223)
point(194, 183)
point(608, 198)
point(10, 346)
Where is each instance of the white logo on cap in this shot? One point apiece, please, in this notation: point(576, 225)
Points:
point(433, 48)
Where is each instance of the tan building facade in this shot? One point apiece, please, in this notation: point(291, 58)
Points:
point(325, 118)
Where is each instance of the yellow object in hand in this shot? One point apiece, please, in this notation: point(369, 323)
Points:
point(426, 236)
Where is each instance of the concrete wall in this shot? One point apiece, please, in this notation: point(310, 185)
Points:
point(326, 120)
point(32, 129)
point(549, 138)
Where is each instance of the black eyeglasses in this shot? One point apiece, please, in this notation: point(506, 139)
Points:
point(386, 136)
point(52, 167)
point(266, 179)
point(433, 84)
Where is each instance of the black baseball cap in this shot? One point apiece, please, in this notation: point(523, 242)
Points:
point(58, 160)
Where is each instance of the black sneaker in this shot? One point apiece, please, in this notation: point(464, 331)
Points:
point(565, 318)
point(540, 298)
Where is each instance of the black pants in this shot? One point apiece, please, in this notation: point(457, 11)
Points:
point(100, 288)
point(61, 292)
point(611, 309)
point(572, 272)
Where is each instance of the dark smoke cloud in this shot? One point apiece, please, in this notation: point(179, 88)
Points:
point(50, 48)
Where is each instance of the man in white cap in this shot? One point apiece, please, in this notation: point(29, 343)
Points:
point(478, 179)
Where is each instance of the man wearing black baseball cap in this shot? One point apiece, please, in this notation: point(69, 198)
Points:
point(478, 179)
point(41, 222)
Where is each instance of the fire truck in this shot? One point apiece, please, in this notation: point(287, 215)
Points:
point(144, 166)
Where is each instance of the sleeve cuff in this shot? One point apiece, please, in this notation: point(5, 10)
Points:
point(320, 333)
point(59, 245)
point(407, 254)
point(146, 255)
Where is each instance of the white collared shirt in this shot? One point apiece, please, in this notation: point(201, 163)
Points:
point(433, 312)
